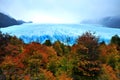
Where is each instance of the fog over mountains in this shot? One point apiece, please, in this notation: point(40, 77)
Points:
point(110, 21)
point(67, 33)
point(6, 21)
point(113, 22)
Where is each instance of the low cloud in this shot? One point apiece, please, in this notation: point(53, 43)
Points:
point(70, 10)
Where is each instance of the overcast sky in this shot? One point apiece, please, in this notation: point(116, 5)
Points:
point(60, 11)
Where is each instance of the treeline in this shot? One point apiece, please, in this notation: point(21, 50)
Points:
point(86, 60)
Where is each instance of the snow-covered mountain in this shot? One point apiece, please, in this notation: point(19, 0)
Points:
point(66, 33)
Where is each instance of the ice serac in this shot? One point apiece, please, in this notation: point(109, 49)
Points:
point(66, 33)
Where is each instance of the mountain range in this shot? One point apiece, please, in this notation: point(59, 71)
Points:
point(110, 21)
point(6, 21)
point(67, 33)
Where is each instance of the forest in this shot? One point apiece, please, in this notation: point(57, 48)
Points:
point(88, 59)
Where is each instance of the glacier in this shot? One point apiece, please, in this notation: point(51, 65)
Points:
point(66, 33)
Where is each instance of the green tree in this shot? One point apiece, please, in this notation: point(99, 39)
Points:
point(48, 43)
point(115, 40)
point(57, 47)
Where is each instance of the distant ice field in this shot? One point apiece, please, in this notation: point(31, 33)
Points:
point(66, 33)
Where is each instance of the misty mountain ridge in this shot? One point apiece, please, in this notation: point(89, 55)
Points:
point(110, 21)
point(29, 32)
point(6, 21)
point(113, 22)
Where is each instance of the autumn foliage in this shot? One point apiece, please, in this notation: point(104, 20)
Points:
point(88, 59)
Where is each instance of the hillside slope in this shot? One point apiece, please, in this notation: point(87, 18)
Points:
point(6, 21)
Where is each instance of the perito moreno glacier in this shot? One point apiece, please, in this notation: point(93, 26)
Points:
point(66, 33)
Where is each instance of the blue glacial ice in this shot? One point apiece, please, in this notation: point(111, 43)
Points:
point(66, 33)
